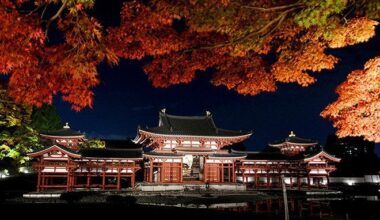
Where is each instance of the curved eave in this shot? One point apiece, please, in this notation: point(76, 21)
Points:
point(305, 144)
point(195, 152)
point(240, 157)
point(277, 145)
point(111, 158)
point(63, 136)
point(46, 150)
point(268, 160)
point(325, 154)
point(243, 136)
point(162, 156)
point(293, 143)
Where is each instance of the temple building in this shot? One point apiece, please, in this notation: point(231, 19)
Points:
point(63, 164)
point(293, 145)
point(185, 149)
point(300, 161)
point(180, 150)
point(66, 137)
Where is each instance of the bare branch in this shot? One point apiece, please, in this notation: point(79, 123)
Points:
point(35, 10)
point(272, 9)
point(43, 12)
point(59, 12)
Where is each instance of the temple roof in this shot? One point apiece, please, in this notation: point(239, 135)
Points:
point(66, 131)
point(271, 156)
point(228, 155)
point(112, 153)
point(191, 125)
point(54, 147)
point(121, 144)
point(163, 154)
point(115, 149)
point(280, 156)
point(293, 139)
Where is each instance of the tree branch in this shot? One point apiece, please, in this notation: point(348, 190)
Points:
point(276, 8)
point(59, 12)
point(35, 10)
point(262, 31)
point(43, 11)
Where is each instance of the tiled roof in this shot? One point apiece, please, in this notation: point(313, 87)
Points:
point(191, 125)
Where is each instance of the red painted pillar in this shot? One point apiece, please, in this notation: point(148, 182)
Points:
point(233, 172)
point(39, 179)
point(221, 166)
point(328, 181)
point(151, 170)
point(291, 182)
point(256, 179)
point(118, 177)
point(104, 180)
point(133, 181)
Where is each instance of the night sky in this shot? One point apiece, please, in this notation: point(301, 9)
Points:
point(125, 99)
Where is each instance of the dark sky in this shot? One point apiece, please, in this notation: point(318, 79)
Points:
point(126, 99)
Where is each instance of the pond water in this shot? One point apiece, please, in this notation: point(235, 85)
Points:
point(354, 207)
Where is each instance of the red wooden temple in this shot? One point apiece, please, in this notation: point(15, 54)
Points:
point(301, 161)
point(188, 149)
point(62, 165)
point(180, 150)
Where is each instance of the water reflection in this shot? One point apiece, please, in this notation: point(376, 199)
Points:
point(359, 207)
point(297, 207)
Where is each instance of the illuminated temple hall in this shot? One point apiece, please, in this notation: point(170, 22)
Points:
point(188, 149)
point(301, 161)
point(62, 164)
point(180, 150)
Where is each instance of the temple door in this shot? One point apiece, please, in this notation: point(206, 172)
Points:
point(211, 173)
point(171, 172)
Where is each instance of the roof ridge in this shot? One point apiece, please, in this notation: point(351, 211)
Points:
point(187, 116)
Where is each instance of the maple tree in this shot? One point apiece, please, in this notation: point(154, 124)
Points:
point(251, 46)
point(17, 136)
point(357, 110)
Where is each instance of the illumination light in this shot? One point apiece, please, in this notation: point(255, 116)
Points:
point(350, 182)
point(4, 174)
point(23, 170)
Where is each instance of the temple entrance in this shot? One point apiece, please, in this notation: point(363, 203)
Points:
point(192, 167)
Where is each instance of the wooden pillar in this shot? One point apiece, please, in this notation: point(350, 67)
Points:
point(74, 180)
point(180, 172)
point(42, 184)
point(291, 182)
point(151, 170)
point(256, 180)
point(68, 179)
point(104, 179)
point(161, 170)
point(319, 182)
point(268, 184)
point(118, 175)
point(328, 181)
point(229, 172)
point(298, 182)
point(39, 179)
point(133, 181)
point(233, 172)
point(222, 172)
point(205, 177)
point(308, 181)
point(88, 180)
